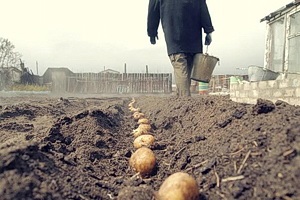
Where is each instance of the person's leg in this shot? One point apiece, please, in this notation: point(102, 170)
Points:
point(190, 59)
point(182, 72)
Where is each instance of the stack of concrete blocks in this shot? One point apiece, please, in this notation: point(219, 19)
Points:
point(287, 90)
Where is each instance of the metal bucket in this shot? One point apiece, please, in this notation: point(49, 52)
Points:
point(203, 67)
point(256, 73)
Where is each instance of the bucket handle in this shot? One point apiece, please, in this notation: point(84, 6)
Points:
point(206, 49)
point(207, 53)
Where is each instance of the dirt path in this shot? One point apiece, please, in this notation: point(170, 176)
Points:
point(78, 148)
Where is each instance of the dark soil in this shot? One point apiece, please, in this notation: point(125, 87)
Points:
point(79, 148)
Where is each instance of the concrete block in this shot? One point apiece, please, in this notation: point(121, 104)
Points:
point(232, 94)
point(267, 93)
point(297, 92)
point(254, 85)
point(243, 94)
point(283, 83)
point(294, 83)
point(273, 84)
point(252, 100)
point(233, 86)
point(247, 86)
point(262, 84)
point(294, 101)
point(254, 94)
point(237, 94)
point(277, 93)
point(289, 92)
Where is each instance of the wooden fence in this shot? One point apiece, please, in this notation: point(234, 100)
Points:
point(115, 83)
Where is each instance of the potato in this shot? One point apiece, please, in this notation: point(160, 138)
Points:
point(143, 121)
point(137, 132)
point(143, 161)
point(138, 115)
point(146, 127)
point(134, 109)
point(143, 140)
point(179, 186)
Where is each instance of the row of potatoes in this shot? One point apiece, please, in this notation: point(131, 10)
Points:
point(143, 159)
point(178, 186)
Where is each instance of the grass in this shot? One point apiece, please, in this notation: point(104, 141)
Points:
point(37, 88)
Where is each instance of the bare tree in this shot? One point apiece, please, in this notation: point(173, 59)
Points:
point(8, 57)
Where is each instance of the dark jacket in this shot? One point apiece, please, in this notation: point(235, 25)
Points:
point(182, 22)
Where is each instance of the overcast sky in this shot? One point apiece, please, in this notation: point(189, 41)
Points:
point(86, 35)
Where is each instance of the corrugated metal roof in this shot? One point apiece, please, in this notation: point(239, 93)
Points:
point(280, 10)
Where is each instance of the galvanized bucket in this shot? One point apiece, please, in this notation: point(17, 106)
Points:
point(203, 67)
point(256, 73)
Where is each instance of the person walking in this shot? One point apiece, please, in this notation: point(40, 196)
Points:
point(182, 22)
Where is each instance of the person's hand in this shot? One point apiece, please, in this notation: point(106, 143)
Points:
point(153, 39)
point(208, 39)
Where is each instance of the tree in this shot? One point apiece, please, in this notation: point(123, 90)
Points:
point(8, 57)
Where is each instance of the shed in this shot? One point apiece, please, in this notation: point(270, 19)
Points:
point(282, 52)
point(57, 78)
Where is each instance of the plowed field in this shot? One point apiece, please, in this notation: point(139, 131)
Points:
point(79, 148)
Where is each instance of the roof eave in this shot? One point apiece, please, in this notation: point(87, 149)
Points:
point(280, 11)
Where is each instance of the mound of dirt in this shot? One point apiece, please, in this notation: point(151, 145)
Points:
point(79, 148)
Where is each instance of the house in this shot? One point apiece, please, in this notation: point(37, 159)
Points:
point(282, 56)
point(282, 53)
point(9, 76)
